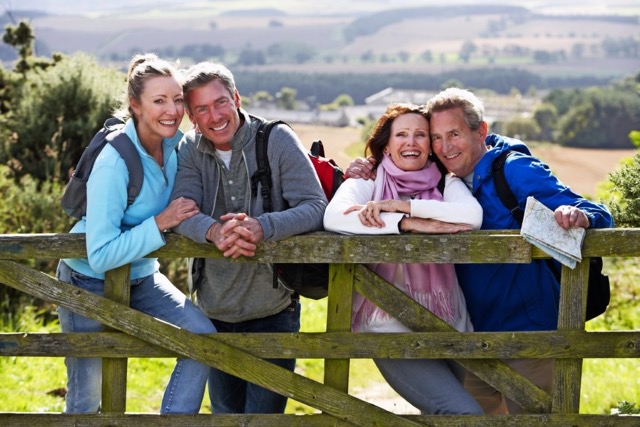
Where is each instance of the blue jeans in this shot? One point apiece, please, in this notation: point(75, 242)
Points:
point(433, 386)
point(153, 295)
point(232, 395)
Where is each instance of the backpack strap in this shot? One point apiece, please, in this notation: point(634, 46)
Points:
point(505, 194)
point(509, 200)
point(317, 149)
point(262, 174)
point(123, 145)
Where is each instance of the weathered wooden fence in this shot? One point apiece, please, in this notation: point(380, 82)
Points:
point(134, 334)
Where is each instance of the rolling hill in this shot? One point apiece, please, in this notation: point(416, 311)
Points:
point(352, 36)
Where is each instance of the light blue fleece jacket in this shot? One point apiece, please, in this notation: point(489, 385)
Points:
point(117, 235)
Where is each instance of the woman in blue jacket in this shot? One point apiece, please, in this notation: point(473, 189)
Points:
point(117, 234)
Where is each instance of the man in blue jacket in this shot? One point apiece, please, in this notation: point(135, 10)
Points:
point(505, 297)
point(502, 297)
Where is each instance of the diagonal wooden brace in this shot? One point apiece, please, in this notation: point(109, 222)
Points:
point(419, 319)
point(205, 349)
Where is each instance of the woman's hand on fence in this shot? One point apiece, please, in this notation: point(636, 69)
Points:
point(177, 211)
point(431, 226)
point(369, 214)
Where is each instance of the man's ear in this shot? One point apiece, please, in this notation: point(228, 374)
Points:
point(237, 98)
point(483, 130)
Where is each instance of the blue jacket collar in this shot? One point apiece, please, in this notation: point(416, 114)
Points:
point(496, 144)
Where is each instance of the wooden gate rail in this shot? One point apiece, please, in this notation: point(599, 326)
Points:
point(345, 345)
point(476, 351)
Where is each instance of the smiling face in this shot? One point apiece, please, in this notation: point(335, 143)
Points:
point(215, 111)
point(409, 143)
point(159, 110)
point(456, 145)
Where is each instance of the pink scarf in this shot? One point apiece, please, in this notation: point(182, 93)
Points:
point(431, 285)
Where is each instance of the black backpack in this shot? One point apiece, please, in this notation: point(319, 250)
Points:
point(74, 199)
point(309, 280)
point(599, 288)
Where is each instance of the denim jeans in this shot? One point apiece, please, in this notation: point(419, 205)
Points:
point(433, 386)
point(153, 295)
point(232, 395)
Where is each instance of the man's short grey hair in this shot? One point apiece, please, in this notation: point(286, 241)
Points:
point(454, 97)
point(206, 72)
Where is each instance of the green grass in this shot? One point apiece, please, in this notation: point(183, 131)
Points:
point(30, 384)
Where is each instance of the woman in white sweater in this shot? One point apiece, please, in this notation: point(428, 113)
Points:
point(405, 198)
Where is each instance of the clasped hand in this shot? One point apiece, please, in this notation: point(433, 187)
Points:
point(236, 234)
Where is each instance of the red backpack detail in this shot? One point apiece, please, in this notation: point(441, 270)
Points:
point(329, 173)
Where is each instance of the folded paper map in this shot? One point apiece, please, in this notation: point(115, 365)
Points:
point(539, 227)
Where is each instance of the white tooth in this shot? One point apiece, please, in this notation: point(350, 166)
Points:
point(222, 127)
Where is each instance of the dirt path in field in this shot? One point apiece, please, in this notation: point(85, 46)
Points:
point(581, 169)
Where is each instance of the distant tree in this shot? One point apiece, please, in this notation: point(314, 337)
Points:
point(600, 118)
point(276, 51)
point(543, 57)
point(55, 116)
point(467, 49)
point(343, 100)
point(275, 23)
point(22, 38)
point(564, 99)
point(404, 56)
point(262, 96)
point(531, 92)
point(367, 56)
point(611, 47)
point(290, 52)
point(286, 98)
point(634, 136)
point(521, 127)
point(427, 56)
point(452, 83)
point(197, 52)
point(577, 50)
point(213, 25)
point(303, 56)
point(250, 56)
point(546, 116)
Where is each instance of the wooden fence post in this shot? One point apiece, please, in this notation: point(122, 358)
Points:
point(117, 286)
point(567, 373)
point(336, 371)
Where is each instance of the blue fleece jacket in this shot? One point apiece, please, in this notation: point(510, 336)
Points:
point(517, 297)
point(117, 235)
